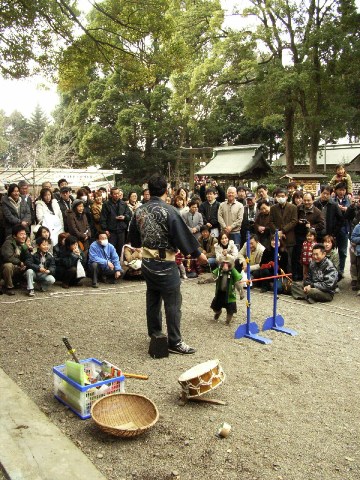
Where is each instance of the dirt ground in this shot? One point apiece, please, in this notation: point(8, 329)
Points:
point(293, 405)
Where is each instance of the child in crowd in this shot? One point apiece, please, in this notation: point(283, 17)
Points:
point(227, 280)
point(355, 240)
point(40, 267)
point(179, 258)
point(306, 251)
point(343, 177)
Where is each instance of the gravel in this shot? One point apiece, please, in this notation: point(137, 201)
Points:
point(293, 405)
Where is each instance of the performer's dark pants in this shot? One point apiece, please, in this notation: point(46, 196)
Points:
point(163, 283)
point(118, 240)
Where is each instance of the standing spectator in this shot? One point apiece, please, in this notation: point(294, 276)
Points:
point(212, 184)
point(263, 194)
point(15, 210)
point(297, 198)
point(291, 187)
point(65, 202)
point(78, 225)
point(353, 216)
point(103, 260)
point(241, 192)
point(40, 267)
point(230, 216)
point(284, 217)
point(342, 177)
point(25, 194)
point(342, 238)
point(161, 232)
point(133, 202)
point(114, 219)
point(145, 196)
point(61, 184)
point(96, 208)
point(355, 240)
point(193, 219)
point(333, 218)
point(179, 204)
point(320, 284)
point(209, 211)
point(83, 194)
point(48, 213)
point(261, 225)
point(13, 255)
point(250, 211)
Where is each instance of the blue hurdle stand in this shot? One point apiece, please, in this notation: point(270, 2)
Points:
point(276, 322)
point(249, 329)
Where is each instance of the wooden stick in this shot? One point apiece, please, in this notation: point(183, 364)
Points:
point(134, 375)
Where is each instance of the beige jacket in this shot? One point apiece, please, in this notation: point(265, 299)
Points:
point(255, 257)
point(231, 214)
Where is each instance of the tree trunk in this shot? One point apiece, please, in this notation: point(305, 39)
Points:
point(314, 147)
point(289, 137)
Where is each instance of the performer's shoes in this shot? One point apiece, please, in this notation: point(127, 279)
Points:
point(182, 349)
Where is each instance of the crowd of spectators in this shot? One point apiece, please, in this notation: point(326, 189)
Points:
point(61, 236)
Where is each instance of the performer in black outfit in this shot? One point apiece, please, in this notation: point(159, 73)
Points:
point(159, 229)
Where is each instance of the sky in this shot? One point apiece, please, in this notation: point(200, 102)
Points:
point(24, 95)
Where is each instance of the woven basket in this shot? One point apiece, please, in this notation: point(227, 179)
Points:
point(124, 414)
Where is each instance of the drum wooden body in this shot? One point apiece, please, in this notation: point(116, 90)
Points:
point(202, 378)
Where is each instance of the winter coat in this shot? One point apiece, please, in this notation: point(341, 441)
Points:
point(12, 252)
point(344, 179)
point(312, 216)
point(102, 255)
point(78, 225)
point(65, 207)
point(255, 257)
point(42, 210)
point(12, 216)
point(322, 276)
point(210, 246)
point(231, 215)
point(334, 218)
point(193, 221)
point(109, 211)
point(96, 214)
point(355, 238)
point(269, 255)
point(209, 212)
point(284, 219)
point(232, 250)
point(33, 262)
point(306, 252)
point(263, 220)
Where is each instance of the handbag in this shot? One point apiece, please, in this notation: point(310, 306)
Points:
point(80, 272)
point(284, 283)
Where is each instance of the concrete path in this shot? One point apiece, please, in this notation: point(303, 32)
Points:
point(31, 446)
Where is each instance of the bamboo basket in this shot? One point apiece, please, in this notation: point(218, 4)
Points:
point(125, 414)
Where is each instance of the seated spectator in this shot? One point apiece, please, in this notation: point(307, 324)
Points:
point(320, 283)
point(355, 241)
point(179, 204)
point(15, 210)
point(179, 259)
point(78, 225)
point(193, 219)
point(225, 247)
point(70, 264)
point(13, 254)
point(332, 253)
point(267, 264)
point(130, 261)
point(207, 245)
point(261, 225)
point(96, 208)
point(182, 192)
point(40, 267)
point(306, 251)
point(43, 232)
point(256, 253)
point(48, 213)
point(103, 260)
